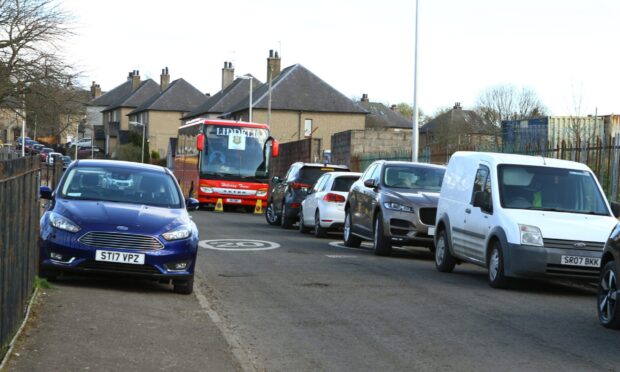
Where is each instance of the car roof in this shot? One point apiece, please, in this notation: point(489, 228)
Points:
point(345, 174)
point(119, 164)
point(322, 165)
point(411, 163)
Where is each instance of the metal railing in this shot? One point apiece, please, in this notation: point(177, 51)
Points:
point(19, 226)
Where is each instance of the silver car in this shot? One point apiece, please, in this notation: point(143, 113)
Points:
point(393, 204)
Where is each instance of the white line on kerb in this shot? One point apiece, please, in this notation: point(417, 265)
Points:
point(229, 335)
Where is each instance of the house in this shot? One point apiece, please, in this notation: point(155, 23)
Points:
point(295, 102)
point(232, 92)
point(119, 102)
point(381, 116)
point(161, 114)
point(93, 125)
point(457, 128)
point(10, 122)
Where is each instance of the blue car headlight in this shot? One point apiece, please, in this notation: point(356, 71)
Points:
point(177, 233)
point(398, 207)
point(63, 223)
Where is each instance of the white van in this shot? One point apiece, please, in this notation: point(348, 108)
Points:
point(521, 216)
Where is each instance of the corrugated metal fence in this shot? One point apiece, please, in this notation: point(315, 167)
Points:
point(19, 226)
point(601, 154)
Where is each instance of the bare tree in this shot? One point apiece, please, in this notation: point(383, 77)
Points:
point(507, 102)
point(578, 128)
point(30, 35)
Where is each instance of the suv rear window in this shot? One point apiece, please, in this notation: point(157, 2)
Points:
point(310, 175)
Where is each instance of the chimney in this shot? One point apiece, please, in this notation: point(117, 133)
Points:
point(365, 98)
point(95, 90)
point(164, 79)
point(457, 105)
point(228, 74)
point(135, 79)
point(273, 65)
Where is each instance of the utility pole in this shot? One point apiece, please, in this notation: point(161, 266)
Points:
point(415, 129)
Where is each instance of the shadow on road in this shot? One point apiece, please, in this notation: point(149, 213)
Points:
point(114, 283)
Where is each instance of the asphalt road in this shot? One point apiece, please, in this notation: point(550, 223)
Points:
point(308, 305)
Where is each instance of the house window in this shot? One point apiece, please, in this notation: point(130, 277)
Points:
point(307, 127)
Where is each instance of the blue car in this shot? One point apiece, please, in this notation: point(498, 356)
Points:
point(119, 217)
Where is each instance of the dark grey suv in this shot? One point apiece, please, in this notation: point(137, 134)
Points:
point(287, 194)
point(393, 204)
point(607, 299)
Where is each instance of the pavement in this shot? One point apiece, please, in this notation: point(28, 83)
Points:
point(109, 324)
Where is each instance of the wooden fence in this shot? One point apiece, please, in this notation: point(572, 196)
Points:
point(19, 227)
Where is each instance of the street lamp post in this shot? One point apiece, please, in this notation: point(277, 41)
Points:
point(249, 77)
point(143, 134)
point(415, 129)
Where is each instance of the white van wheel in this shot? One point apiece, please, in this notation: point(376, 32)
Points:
point(444, 261)
point(495, 265)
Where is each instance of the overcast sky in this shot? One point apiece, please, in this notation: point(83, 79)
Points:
point(565, 50)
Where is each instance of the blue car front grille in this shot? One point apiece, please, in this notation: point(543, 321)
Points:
point(120, 241)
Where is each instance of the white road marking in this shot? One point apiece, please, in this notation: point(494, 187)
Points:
point(238, 245)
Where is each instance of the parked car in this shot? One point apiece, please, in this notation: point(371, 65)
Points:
point(142, 231)
point(51, 157)
point(66, 160)
point(86, 152)
point(83, 142)
point(26, 139)
point(393, 204)
point(30, 144)
point(36, 148)
point(521, 216)
point(323, 208)
point(44, 153)
point(607, 299)
point(287, 194)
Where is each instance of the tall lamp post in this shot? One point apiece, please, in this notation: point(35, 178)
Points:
point(143, 134)
point(415, 129)
point(248, 77)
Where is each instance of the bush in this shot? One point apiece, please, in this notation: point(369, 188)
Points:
point(129, 152)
